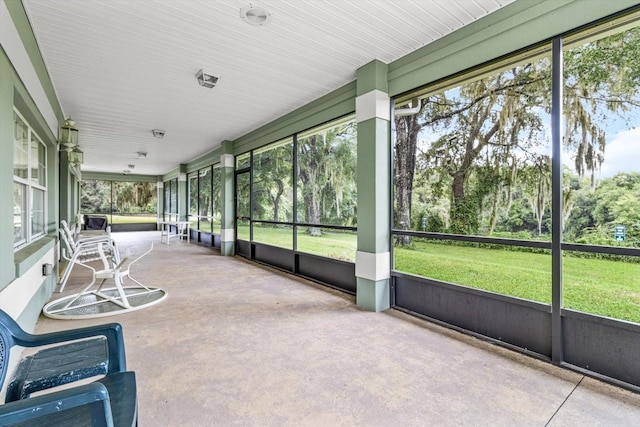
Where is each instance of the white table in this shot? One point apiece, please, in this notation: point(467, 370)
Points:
point(182, 230)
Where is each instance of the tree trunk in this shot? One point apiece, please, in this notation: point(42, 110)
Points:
point(407, 129)
point(313, 214)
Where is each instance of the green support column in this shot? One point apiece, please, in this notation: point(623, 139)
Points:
point(227, 227)
point(65, 190)
point(183, 195)
point(160, 199)
point(374, 163)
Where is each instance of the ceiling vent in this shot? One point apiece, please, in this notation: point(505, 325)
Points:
point(157, 133)
point(206, 80)
point(255, 15)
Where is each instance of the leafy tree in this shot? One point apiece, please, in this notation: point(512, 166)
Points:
point(326, 176)
point(489, 130)
point(272, 188)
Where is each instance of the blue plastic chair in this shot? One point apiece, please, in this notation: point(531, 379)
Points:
point(77, 354)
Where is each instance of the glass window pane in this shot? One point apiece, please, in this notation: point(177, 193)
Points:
point(243, 229)
point(167, 200)
point(216, 197)
point(243, 161)
point(174, 199)
point(243, 196)
point(205, 202)
point(34, 163)
point(20, 148)
point(602, 141)
point(602, 174)
point(19, 213)
point(272, 186)
point(509, 270)
point(38, 221)
point(327, 175)
point(133, 202)
point(476, 158)
point(95, 197)
point(275, 235)
point(42, 164)
point(606, 285)
point(193, 199)
point(337, 244)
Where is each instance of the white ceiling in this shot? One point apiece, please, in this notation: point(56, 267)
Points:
point(124, 67)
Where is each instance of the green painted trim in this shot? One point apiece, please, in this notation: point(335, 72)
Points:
point(226, 147)
point(373, 296)
point(104, 176)
point(172, 174)
point(7, 81)
point(372, 76)
point(514, 27)
point(205, 160)
point(27, 257)
point(227, 248)
point(374, 192)
point(23, 26)
point(14, 94)
point(338, 103)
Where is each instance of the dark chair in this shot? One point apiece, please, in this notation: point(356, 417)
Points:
point(96, 222)
point(76, 354)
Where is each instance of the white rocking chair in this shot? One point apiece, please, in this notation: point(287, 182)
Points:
point(85, 250)
point(101, 301)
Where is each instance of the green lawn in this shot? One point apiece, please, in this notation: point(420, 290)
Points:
point(133, 219)
point(603, 287)
point(332, 243)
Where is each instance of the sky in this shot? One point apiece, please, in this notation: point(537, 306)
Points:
point(622, 153)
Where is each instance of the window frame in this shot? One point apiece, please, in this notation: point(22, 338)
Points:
point(31, 185)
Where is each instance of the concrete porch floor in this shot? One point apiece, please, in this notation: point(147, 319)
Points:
point(237, 343)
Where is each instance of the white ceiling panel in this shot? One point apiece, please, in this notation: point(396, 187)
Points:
point(124, 67)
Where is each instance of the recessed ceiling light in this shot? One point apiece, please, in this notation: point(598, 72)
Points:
point(206, 80)
point(255, 15)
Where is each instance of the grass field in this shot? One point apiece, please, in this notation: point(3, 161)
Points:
point(333, 244)
point(603, 287)
point(132, 219)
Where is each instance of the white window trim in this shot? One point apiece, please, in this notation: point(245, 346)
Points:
point(30, 185)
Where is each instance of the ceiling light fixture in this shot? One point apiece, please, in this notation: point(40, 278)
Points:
point(206, 80)
point(157, 133)
point(131, 166)
point(141, 154)
point(255, 15)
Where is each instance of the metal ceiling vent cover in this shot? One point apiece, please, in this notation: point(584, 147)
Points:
point(255, 15)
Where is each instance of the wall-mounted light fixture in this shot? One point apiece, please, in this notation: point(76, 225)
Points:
point(68, 135)
point(76, 157)
point(206, 80)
